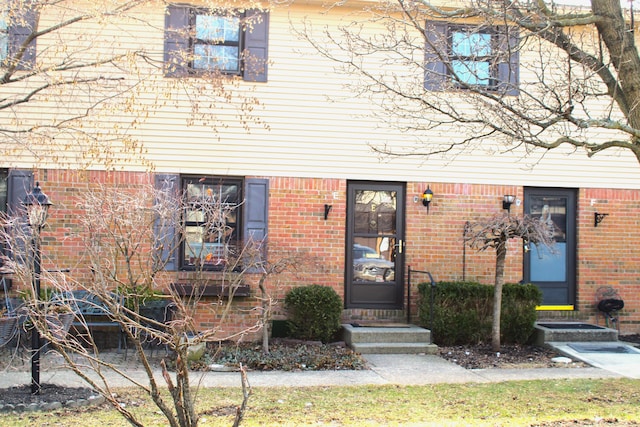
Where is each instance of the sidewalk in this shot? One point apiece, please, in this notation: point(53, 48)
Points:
point(384, 369)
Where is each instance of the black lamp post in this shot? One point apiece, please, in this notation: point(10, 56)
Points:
point(37, 204)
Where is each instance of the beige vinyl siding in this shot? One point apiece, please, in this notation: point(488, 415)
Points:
point(309, 125)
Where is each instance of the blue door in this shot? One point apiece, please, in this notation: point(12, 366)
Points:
point(553, 270)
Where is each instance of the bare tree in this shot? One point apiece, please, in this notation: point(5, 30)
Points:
point(76, 86)
point(280, 260)
point(124, 231)
point(494, 233)
point(536, 75)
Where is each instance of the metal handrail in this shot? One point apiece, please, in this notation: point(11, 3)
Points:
point(432, 301)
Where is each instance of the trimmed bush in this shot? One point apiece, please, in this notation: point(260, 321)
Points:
point(314, 312)
point(462, 312)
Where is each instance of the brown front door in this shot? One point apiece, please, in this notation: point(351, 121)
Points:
point(375, 245)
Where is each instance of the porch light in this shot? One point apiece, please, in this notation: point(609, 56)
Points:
point(426, 197)
point(507, 201)
point(37, 204)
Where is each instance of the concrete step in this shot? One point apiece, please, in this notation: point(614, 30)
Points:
point(398, 339)
point(546, 332)
point(394, 348)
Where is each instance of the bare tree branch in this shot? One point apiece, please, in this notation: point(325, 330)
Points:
point(582, 85)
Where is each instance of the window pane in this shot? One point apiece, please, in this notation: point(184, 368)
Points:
point(195, 215)
point(202, 250)
point(217, 29)
point(471, 61)
point(214, 57)
point(472, 72)
point(211, 222)
point(207, 192)
point(471, 44)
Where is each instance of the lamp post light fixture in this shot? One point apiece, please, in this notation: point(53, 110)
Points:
point(37, 205)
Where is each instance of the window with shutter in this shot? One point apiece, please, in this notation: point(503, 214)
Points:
point(220, 214)
point(471, 57)
point(201, 40)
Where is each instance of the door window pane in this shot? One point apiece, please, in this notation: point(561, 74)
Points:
point(550, 265)
point(374, 236)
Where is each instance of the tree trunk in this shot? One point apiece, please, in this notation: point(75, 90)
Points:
point(265, 314)
point(501, 255)
point(624, 56)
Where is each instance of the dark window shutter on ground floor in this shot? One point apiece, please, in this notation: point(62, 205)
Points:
point(256, 213)
point(165, 229)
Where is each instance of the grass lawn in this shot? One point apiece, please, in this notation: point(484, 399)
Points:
point(516, 403)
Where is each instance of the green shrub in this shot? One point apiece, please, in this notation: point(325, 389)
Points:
point(463, 311)
point(519, 311)
point(314, 312)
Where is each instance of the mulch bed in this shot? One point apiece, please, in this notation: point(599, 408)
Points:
point(481, 356)
point(49, 393)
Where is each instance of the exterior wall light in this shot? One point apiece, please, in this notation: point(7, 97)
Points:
point(507, 201)
point(426, 197)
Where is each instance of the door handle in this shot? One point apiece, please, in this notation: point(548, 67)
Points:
point(400, 246)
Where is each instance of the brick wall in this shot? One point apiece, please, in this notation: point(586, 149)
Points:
point(607, 254)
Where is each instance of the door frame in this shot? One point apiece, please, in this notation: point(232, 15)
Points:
point(571, 246)
point(399, 256)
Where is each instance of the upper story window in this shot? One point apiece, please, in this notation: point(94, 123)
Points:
point(199, 40)
point(472, 57)
point(211, 222)
point(217, 42)
point(460, 57)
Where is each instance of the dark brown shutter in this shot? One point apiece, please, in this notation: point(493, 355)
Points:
point(509, 71)
point(256, 215)
point(165, 230)
point(176, 41)
point(19, 184)
point(435, 55)
point(20, 31)
point(255, 63)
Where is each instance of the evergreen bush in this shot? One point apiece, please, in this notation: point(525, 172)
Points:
point(462, 312)
point(314, 312)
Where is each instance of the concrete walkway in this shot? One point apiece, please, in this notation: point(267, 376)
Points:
point(384, 369)
point(612, 356)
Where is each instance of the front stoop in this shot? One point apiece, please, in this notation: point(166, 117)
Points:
point(546, 332)
point(409, 339)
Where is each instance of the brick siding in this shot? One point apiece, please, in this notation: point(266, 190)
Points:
point(607, 254)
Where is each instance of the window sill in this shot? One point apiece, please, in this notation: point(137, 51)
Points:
point(189, 290)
